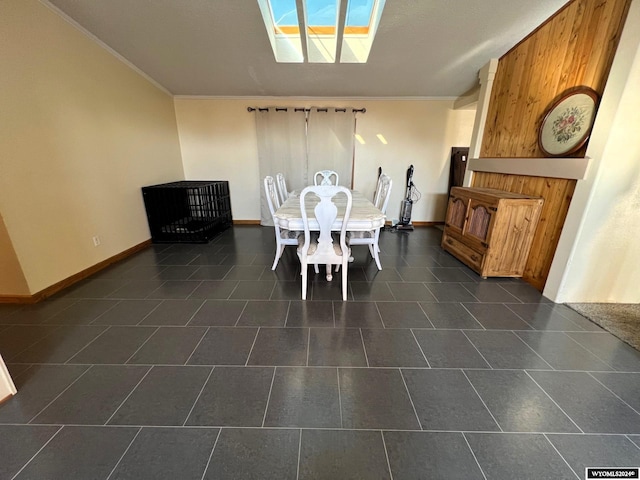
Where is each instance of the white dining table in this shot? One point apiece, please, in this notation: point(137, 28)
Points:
point(364, 215)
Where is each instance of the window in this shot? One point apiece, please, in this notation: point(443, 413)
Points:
point(326, 24)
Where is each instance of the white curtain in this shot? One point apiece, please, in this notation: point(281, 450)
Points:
point(282, 148)
point(330, 142)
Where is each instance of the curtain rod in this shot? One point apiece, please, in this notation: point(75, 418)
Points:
point(324, 109)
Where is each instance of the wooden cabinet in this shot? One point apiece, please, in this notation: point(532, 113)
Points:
point(491, 231)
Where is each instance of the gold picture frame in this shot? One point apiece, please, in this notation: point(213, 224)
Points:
point(567, 122)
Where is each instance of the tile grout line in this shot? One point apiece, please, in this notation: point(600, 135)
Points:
point(364, 347)
point(152, 310)
point(554, 402)
point(299, 450)
point(590, 351)
point(142, 345)
point(339, 396)
point(477, 350)
point(516, 297)
point(246, 304)
point(197, 310)
point(266, 407)
point(627, 436)
point(386, 454)
point(59, 395)
point(474, 455)
point(286, 317)
point(333, 313)
point(252, 345)
point(273, 289)
point(124, 453)
point(428, 319)
point(195, 402)
point(274, 427)
point(384, 326)
point(118, 302)
point(406, 387)
point(612, 392)
point(570, 320)
point(130, 393)
point(561, 456)
point(482, 400)
point(206, 467)
point(36, 454)
point(57, 327)
point(109, 327)
point(420, 347)
point(197, 345)
point(308, 345)
point(519, 316)
point(531, 348)
point(472, 316)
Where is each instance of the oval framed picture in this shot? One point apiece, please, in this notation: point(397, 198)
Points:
point(567, 123)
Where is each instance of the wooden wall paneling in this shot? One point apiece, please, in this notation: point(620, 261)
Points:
point(574, 47)
point(531, 120)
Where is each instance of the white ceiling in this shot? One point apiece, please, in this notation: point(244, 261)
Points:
point(423, 48)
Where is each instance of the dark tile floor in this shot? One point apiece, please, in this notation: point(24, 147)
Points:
point(198, 361)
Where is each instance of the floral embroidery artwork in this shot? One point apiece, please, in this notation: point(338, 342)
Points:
point(568, 124)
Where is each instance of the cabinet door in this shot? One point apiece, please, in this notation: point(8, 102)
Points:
point(456, 213)
point(479, 222)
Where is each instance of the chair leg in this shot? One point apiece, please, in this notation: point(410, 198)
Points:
point(344, 283)
point(279, 252)
point(315, 268)
point(376, 256)
point(329, 275)
point(304, 281)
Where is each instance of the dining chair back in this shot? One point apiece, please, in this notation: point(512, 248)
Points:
point(371, 237)
point(284, 237)
point(282, 187)
point(323, 247)
point(383, 192)
point(325, 177)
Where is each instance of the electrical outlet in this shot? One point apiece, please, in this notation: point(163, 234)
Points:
point(96, 241)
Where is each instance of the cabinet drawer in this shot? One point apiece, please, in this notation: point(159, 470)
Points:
point(466, 255)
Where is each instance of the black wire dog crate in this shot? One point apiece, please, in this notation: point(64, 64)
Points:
point(187, 211)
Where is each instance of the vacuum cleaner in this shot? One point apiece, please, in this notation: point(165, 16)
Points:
point(411, 196)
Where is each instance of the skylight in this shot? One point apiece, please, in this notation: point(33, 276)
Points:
point(326, 24)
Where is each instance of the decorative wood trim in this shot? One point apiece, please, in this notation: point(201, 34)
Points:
point(426, 224)
point(6, 382)
point(573, 168)
point(67, 282)
point(246, 222)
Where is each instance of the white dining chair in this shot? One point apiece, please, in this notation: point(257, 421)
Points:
point(323, 248)
point(281, 183)
point(284, 237)
point(325, 177)
point(371, 237)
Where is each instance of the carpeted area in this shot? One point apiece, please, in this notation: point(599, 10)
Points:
point(621, 319)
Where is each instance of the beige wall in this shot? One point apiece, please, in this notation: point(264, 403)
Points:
point(218, 142)
point(12, 281)
point(80, 133)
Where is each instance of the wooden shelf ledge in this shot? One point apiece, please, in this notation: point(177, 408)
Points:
point(572, 168)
